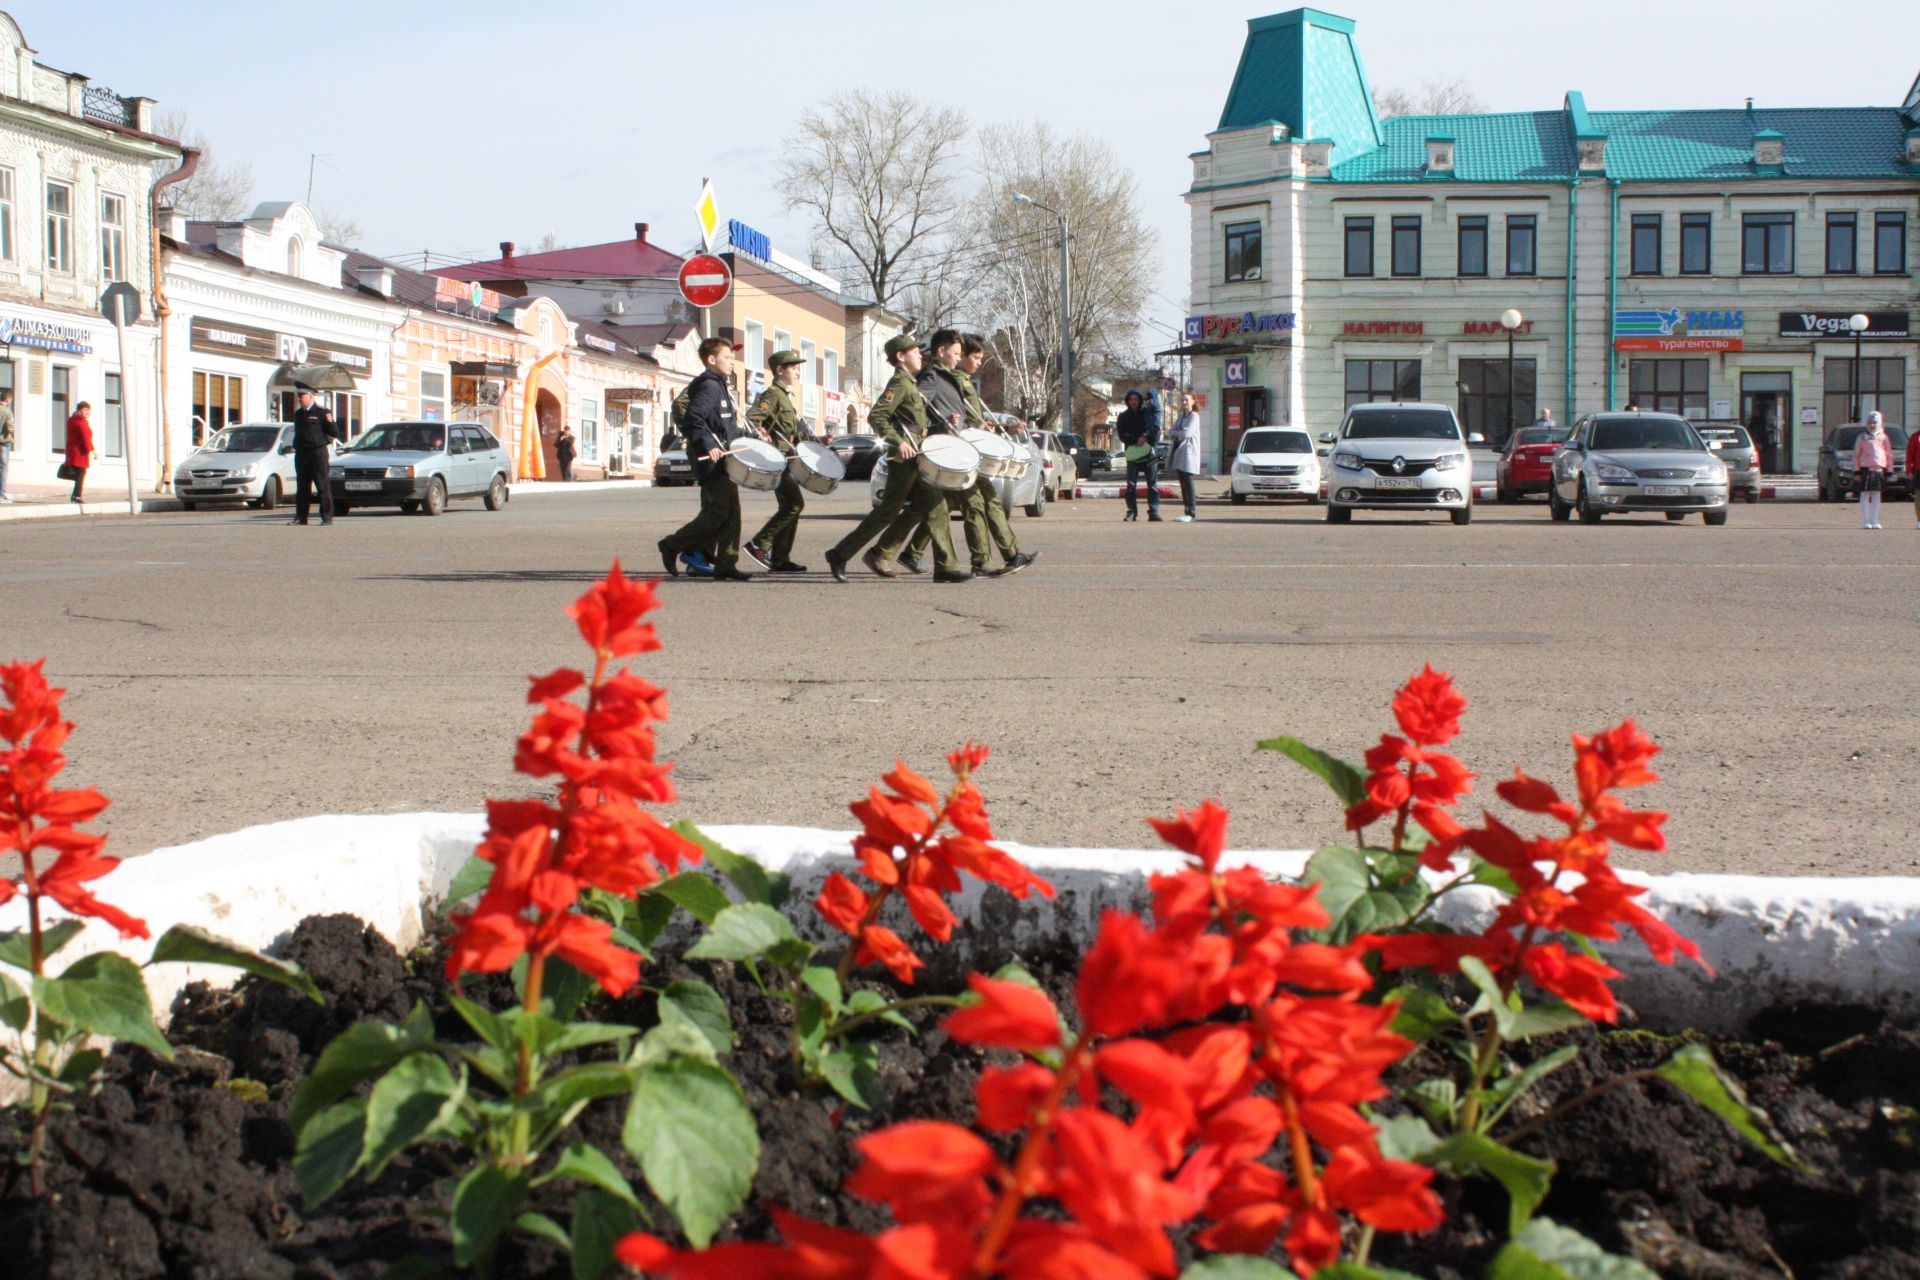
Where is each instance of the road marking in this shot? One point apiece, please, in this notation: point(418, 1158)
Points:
point(1848, 565)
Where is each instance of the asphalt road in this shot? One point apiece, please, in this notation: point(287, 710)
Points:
point(228, 669)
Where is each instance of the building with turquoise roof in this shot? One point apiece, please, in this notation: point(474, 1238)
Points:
point(1699, 261)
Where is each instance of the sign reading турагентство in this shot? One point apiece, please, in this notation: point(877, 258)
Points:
point(1201, 328)
point(1834, 324)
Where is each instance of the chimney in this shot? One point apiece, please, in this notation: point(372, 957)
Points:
point(173, 225)
point(506, 249)
point(1769, 149)
point(1439, 153)
point(1913, 146)
point(379, 279)
point(640, 232)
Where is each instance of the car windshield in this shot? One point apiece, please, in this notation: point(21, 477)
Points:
point(1647, 432)
point(1540, 435)
point(1275, 442)
point(1070, 443)
point(1402, 424)
point(403, 437)
point(1844, 438)
point(670, 442)
point(245, 440)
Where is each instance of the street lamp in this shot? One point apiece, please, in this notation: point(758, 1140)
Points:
point(1859, 324)
point(1066, 320)
point(1510, 320)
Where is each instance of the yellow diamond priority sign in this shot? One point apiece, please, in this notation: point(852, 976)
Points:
point(707, 210)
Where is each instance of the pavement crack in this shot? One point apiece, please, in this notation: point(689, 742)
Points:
point(130, 622)
point(985, 624)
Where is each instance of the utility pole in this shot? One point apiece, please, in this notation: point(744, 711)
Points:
point(1066, 316)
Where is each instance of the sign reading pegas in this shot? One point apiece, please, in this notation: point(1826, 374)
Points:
point(1671, 329)
point(1207, 328)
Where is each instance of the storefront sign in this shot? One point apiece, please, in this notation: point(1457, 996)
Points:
point(1237, 371)
point(1210, 327)
point(1881, 325)
point(1494, 329)
point(1233, 417)
point(595, 342)
point(749, 241)
point(836, 407)
point(1673, 330)
point(250, 343)
point(810, 400)
point(20, 331)
point(466, 291)
point(1383, 328)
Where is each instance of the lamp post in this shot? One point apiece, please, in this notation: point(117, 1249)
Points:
point(1510, 320)
point(1859, 324)
point(1066, 318)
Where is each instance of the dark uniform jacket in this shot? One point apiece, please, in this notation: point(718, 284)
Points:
point(941, 390)
point(899, 416)
point(313, 426)
point(710, 423)
point(1135, 426)
point(774, 414)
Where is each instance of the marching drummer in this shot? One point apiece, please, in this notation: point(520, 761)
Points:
point(710, 425)
point(776, 418)
point(899, 417)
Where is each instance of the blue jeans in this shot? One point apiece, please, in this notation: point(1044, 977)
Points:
point(1148, 468)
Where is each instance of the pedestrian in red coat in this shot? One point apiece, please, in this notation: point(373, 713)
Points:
point(79, 447)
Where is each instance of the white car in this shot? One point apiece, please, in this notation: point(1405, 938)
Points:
point(1392, 456)
point(1275, 462)
point(249, 462)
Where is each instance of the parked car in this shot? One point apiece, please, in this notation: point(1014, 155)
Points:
point(1029, 492)
point(1526, 465)
point(1391, 456)
point(1076, 447)
point(1835, 476)
point(250, 462)
point(419, 467)
point(1736, 448)
point(1099, 460)
point(1275, 462)
point(1060, 475)
point(858, 454)
point(1622, 462)
point(672, 466)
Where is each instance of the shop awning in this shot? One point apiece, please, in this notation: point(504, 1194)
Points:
point(484, 369)
point(321, 377)
point(1222, 348)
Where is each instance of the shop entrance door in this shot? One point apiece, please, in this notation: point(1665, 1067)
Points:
point(1244, 407)
point(1766, 407)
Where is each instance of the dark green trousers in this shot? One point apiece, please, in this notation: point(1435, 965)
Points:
point(985, 522)
point(904, 496)
point(715, 530)
point(776, 535)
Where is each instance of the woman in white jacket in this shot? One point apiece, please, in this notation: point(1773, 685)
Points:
point(1185, 459)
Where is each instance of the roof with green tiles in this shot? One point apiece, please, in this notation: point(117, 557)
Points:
point(1525, 146)
point(1302, 68)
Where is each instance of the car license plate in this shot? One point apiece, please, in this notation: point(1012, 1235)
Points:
point(363, 484)
point(205, 484)
point(1397, 482)
point(1666, 491)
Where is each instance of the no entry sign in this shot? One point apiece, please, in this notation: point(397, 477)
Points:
point(705, 280)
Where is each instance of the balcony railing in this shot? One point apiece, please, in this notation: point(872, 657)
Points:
point(105, 105)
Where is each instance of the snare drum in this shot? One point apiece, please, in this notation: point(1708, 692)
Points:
point(1022, 457)
point(815, 468)
point(997, 456)
point(755, 464)
point(948, 462)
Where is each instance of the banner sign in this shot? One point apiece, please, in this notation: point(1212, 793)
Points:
point(1670, 329)
point(1882, 325)
point(266, 344)
point(20, 331)
point(1209, 328)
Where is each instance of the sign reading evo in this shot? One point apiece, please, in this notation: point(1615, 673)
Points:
point(1833, 324)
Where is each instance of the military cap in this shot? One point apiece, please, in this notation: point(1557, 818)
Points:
point(781, 359)
point(303, 387)
point(905, 342)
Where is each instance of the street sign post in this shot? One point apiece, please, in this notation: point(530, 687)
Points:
point(705, 280)
point(120, 303)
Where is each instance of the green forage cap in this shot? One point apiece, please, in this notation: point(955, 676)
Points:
point(781, 359)
point(905, 342)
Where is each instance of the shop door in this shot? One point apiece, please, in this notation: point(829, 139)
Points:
point(1242, 407)
point(547, 414)
point(1766, 407)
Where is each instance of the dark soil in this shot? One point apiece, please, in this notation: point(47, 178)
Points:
point(184, 1169)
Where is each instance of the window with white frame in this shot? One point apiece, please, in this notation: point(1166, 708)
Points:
point(756, 341)
point(782, 340)
point(114, 419)
point(6, 215)
point(293, 256)
point(433, 395)
point(589, 429)
point(808, 373)
point(830, 370)
point(60, 228)
point(113, 237)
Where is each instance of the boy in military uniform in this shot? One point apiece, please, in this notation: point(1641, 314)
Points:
point(710, 427)
point(775, 417)
point(899, 416)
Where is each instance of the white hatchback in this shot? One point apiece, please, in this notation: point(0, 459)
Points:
point(249, 462)
point(1276, 462)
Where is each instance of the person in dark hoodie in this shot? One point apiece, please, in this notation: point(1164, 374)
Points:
point(1139, 430)
point(711, 424)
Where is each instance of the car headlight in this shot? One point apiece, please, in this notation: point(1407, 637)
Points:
point(1713, 474)
point(1347, 461)
point(400, 473)
point(1240, 465)
point(335, 473)
point(246, 472)
point(1448, 461)
point(1611, 471)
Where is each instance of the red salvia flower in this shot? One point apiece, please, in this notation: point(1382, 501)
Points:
point(1409, 780)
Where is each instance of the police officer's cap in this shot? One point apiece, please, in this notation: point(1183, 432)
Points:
point(781, 359)
point(303, 387)
point(905, 342)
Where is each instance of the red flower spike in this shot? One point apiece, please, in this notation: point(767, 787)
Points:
point(1009, 1015)
point(910, 786)
point(1202, 833)
point(1005, 1098)
point(877, 942)
point(842, 903)
point(1128, 980)
point(967, 759)
point(925, 1171)
point(609, 614)
point(1428, 708)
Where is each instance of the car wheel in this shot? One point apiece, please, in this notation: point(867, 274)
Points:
point(1753, 495)
point(411, 506)
point(1038, 507)
point(1464, 515)
point(1313, 499)
point(1339, 515)
point(436, 500)
point(497, 493)
point(1589, 514)
point(1505, 495)
point(1556, 508)
point(1239, 499)
point(1714, 517)
point(270, 496)
point(341, 508)
point(1676, 515)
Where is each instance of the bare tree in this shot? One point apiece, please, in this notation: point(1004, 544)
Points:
point(337, 228)
point(1433, 98)
point(217, 191)
point(877, 174)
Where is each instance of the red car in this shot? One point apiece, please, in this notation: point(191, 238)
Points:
point(1527, 464)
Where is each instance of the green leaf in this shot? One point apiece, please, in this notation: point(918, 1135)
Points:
point(1356, 901)
point(15, 1009)
point(599, 1220)
point(579, 1035)
point(1406, 1137)
point(357, 1054)
point(1544, 1017)
point(486, 1024)
point(485, 1202)
point(667, 1041)
point(649, 917)
point(584, 1083)
point(540, 1225)
point(413, 1268)
point(1505, 1092)
point(330, 1150)
point(413, 1101)
point(16, 947)
point(745, 931)
point(1545, 1250)
point(105, 995)
point(590, 1165)
point(1694, 1072)
point(852, 1070)
point(77, 1070)
point(699, 1006)
point(1438, 1098)
point(562, 987)
point(1236, 1266)
point(753, 881)
point(824, 983)
point(191, 944)
point(1495, 877)
point(471, 879)
point(1358, 1271)
point(865, 1001)
point(1347, 782)
point(692, 1132)
point(697, 893)
point(1525, 1178)
point(1423, 1014)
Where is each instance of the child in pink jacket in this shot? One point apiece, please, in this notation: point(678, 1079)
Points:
point(1872, 459)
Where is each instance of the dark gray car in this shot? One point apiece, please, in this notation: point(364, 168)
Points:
point(1619, 463)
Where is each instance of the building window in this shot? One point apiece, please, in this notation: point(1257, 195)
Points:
point(1696, 244)
point(1669, 386)
point(217, 401)
point(830, 370)
point(808, 372)
point(113, 237)
point(754, 335)
point(782, 340)
point(60, 231)
point(1766, 244)
point(1889, 244)
point(1406, 246)
point(350, 411)
point(1523, 242)
point(293, 256)
point(1371, 380)
point(1842, 229)
point(1243, 251)
point(6, 215)
point(1359, 246)
point(589, 429)
point(59, 406)
point(1646, 244)
point(1485, 405)
point(1883, 386)
point(1473, 246)
point(113, 419)
point(433, 396)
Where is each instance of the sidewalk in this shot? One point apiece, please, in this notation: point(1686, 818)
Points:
point(49, 502)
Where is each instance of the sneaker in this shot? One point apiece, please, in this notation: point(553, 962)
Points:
point(787, 566)
point(872, 560)
point(910, 564)
point(1014, 565)
point(698, 566)
point(951, 575)
point(766, 561)
point(731, 574)
point(1153, 517)
point(1183, 519)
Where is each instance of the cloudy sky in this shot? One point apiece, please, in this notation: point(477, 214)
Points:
point(453, 126)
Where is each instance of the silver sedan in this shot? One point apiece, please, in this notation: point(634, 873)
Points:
point(1617, 463)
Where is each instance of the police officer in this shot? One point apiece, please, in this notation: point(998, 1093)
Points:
point(313, 428)
point(709, 427)
point(774, 416)
point(900, 417)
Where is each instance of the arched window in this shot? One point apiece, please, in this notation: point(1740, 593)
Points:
point(293, 256)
